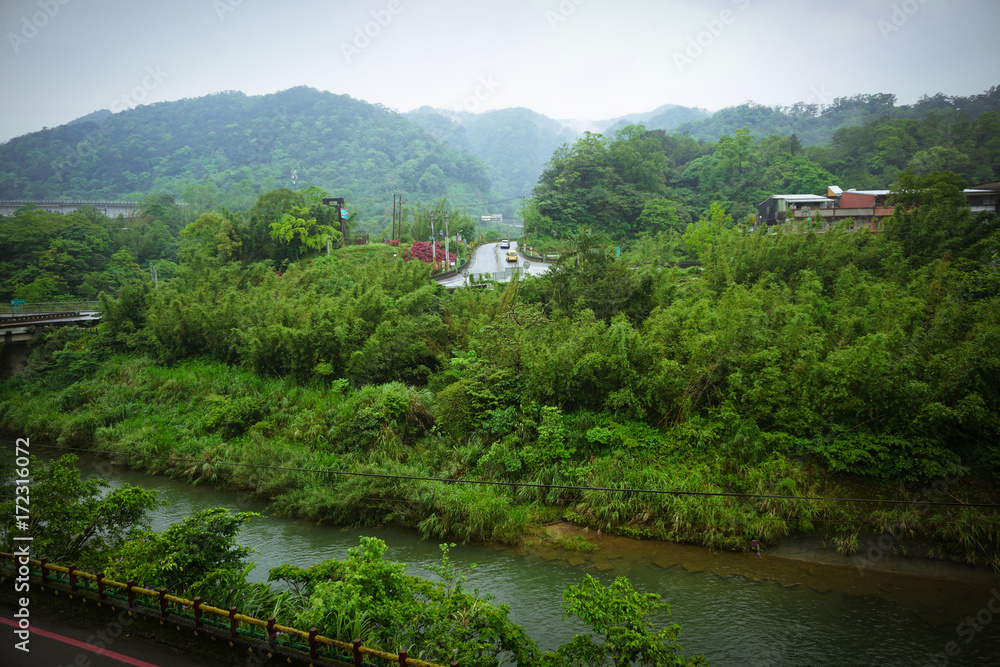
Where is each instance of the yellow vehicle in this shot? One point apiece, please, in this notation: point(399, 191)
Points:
point(511, 256)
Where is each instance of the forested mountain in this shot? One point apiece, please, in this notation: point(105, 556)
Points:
point(645, 181)
point(667, 117)
point(226, 149)
point(240, 146)
point(816, 124)
point(515, 144)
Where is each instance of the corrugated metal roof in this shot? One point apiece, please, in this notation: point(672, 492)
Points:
point(801, 197)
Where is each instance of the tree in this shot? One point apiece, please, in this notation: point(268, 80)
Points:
point(215, 234)
point(586, 246)
point(620, 617)
point(438, 620)
point(184, 553)
point(659, 215)
point(72, 519)
point(296, 229)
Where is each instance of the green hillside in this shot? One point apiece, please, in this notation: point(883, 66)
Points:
point(814, 123)
point(241, 146)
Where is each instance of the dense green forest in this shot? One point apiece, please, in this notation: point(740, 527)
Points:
point(225, 150)
point(816, 121)
point(790, 364)
point(52, 257)
point(643, 182)
point(515, 144)
point(228, 148)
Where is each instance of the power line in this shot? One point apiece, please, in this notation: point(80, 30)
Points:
point(564, 487)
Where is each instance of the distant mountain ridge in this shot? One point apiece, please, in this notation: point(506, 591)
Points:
point(517, 143)
point(294, 138)
point(367, 152)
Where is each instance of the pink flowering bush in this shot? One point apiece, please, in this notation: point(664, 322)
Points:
point(422, 250)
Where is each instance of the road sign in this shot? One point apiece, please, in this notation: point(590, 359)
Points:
point(344, 215)
point(17, 302)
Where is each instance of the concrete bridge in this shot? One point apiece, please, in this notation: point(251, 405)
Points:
point(111, 209)
point(19, 325)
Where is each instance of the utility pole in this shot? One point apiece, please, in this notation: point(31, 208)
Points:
point(447, 255)
point(433, 243)
point(397, 216)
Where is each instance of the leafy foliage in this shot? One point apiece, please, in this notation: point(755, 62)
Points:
point(439, 621)
point(185, 553)
point(619, 616)
point(72, 519)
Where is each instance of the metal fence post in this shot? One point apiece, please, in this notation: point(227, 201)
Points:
point(270, 630)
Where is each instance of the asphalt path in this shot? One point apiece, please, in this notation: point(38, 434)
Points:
point(490, 259)
point(63, 640)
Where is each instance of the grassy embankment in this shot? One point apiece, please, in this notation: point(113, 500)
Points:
point(191, 419)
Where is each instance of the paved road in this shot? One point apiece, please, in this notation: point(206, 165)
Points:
point(61, 639)
point(490, 259)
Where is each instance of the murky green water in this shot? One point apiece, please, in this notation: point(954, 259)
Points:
point(735, 609)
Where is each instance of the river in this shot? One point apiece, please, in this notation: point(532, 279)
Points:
point(736, 609)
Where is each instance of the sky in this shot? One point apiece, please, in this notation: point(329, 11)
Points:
point(567, 59)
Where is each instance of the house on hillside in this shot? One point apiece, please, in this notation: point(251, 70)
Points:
point(777, 208)
point(865, 208)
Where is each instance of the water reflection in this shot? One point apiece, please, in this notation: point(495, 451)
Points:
point(735, 609)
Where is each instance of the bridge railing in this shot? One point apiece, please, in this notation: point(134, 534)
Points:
point(48, 307)
point(163, 604)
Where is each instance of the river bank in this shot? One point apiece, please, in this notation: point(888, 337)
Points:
point(775, 609)
point(797, 560)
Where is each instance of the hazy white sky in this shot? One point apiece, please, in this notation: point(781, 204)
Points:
point(582, 59)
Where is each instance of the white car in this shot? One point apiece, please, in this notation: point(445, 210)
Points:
point(505, 244)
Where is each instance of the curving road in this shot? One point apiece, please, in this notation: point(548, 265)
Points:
point(490, 259)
